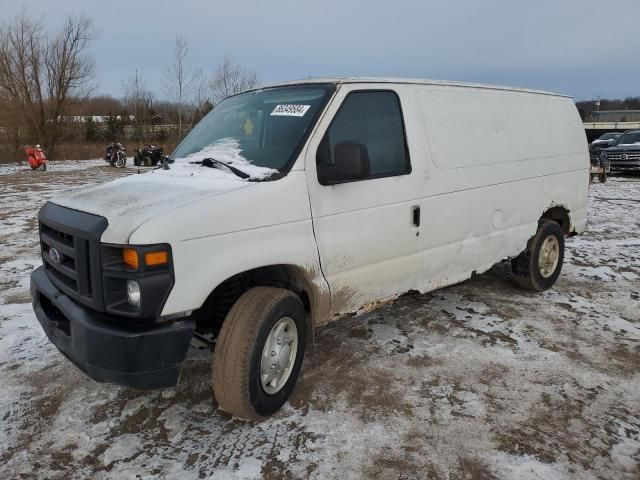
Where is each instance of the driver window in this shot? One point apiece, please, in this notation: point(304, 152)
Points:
point(369, 126)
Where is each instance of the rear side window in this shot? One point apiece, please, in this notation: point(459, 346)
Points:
point(372, 119)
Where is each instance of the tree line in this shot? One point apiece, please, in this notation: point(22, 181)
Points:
point(587, 107)
point(48, 91)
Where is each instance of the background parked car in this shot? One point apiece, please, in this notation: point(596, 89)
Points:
point(603, 141)
point(624, 156)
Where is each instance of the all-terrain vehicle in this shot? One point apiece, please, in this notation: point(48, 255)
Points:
point(147, 156)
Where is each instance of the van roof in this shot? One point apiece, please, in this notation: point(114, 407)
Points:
point(415, 81)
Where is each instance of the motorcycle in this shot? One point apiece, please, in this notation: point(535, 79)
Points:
point(116, 155)
point(36, 158)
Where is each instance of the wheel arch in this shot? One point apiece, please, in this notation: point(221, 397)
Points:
point(559, 214)
point(300, 280)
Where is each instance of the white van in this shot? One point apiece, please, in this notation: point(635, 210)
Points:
point(289, 206)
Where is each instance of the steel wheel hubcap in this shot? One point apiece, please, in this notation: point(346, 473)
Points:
point(549, 256)
point(279, 355)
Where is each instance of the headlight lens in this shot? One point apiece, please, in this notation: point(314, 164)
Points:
point(133, 293)
point(130, 272)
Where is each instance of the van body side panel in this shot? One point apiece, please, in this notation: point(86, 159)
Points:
point(471, 230)
point(469, 127)
point(267, 224)
point(500, 159)
point(486, 165)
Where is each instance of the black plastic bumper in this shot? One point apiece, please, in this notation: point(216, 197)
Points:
point(625, 167)
point(106, 349)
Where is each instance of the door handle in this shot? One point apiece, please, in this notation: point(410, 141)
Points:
point(416, 216)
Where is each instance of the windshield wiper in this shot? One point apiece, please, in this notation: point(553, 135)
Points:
point(213, 163)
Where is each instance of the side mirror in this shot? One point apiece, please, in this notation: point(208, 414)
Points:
point(351, 162)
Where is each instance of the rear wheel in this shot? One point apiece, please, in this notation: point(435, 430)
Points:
point(538, 267)
point(259, 352)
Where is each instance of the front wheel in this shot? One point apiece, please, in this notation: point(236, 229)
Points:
point(538, 267)
point(121, 161)
point(259, 352)
point(44, 167)
point(602, 177)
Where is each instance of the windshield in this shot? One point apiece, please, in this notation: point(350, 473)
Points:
point(629, 138)
point(264, 128)
point(609, 136)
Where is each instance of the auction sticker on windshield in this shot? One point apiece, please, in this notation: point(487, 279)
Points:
point(290, 110)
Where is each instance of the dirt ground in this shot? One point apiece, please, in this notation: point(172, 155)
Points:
point(477, 381)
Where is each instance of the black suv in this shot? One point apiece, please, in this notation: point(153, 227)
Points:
point(603, 141)
point(624, 156)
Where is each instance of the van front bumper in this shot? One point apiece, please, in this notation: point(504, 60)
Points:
point(107, 348)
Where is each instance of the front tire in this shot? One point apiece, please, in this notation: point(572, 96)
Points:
point(121, 161)
point(539, 266)
point(259, 352)
point(602, 177)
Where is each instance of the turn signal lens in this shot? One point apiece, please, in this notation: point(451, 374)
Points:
point(130, 258)
point(156, 258)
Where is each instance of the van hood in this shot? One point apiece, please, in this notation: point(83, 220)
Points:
point(129, 202)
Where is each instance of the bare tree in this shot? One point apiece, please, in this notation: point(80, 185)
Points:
point(200, 96)
point(178, 78)
point(139, 100)
point(230, 79)
point(40, 74)
point(199, 88)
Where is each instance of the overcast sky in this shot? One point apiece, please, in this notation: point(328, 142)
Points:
point(584, 48)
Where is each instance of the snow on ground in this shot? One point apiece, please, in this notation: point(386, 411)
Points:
point(479, 380)
point(61, 166)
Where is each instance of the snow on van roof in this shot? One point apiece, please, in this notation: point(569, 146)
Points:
point(414, 81)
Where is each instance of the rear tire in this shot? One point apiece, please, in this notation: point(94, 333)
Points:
point(240, 357)
point(538, 267)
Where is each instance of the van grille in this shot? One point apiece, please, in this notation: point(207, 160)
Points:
point(70, 247)
point(70, 263)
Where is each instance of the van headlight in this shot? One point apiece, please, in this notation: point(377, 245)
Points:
point(133, 293)
point(136, 279)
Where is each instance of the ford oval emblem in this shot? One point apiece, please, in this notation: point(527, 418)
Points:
point(624, 157)
point(54, 255)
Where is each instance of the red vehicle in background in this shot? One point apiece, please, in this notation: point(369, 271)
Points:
point(36, 158)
